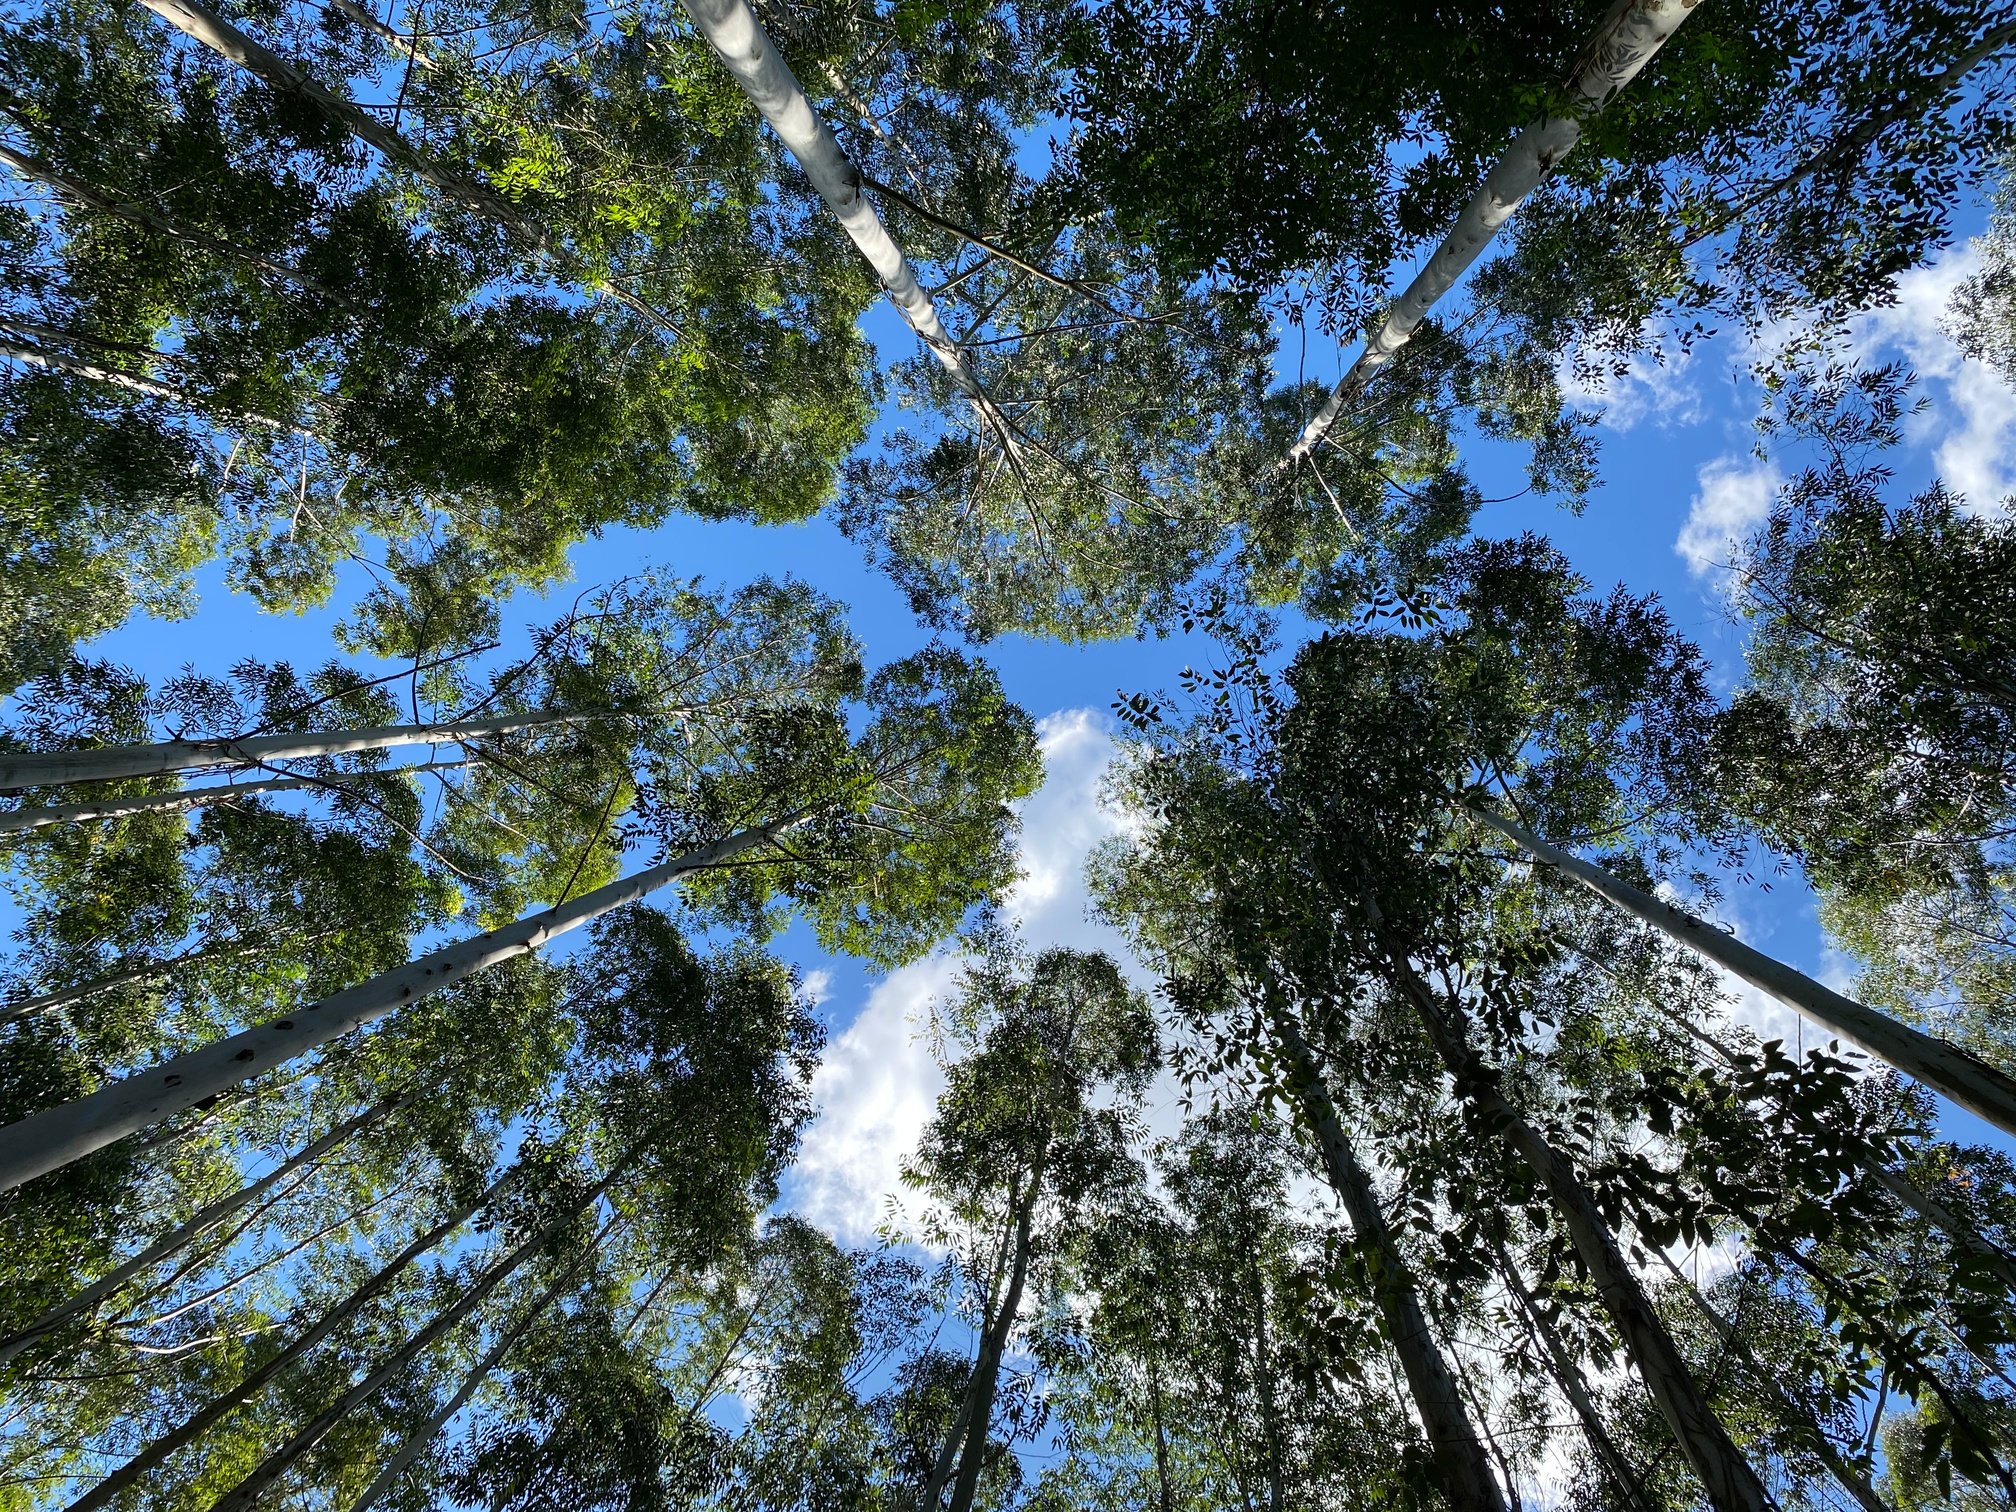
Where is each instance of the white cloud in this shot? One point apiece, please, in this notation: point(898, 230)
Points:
point(878, 1082)
point(1970, 425)
point(1656, 385)
point(816, 987)
point(1734, 499)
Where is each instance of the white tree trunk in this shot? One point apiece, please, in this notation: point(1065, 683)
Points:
point(16, 820)
point(733, 31)
point(1622, 46)
point(1973, 1084)
point(112, 763)
point(51, 1139)
point(12, 347)
point(199, 1223)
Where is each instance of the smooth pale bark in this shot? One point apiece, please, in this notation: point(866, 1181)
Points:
point(225, 1403)
point(52, 1139)
point(1568, 1375)
point(14, 821)
point(49, 1002)
point(987, 1369)
point(89, 197)
point(14, 348)
point(203, 25)
point(199, 1223)
point(417, 1441)
point(247, 1493)
point(733, 31)
point(1946, 1068)
point(1954, 1225)
point(1627, 40)
point(1732, 1485)
point(407, 47)
point(1460, 1462)
point(114, 763)
point(1852, 1480)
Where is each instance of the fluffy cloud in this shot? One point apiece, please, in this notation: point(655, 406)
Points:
point(1734, 499)
point(879, 1080)
point(1657, 386)
point(1970, 426)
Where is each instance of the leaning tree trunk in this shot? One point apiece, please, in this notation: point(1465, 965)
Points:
point(223, 1405)
point(417, 1441)
point(79, 193)
point(248, 1492)
point(53, 1138)
point(1731, 1484)
point(1852, 1480)
point(994, 1344)
point(50, 360)
point(1569, 1376)
point(733, 31)
point(16, 820)
point(203, 25)
point(199, 1223)
point(63, 997)
point(1946, 1068)
point(1625, 42)
point(1458, 1450)
point(113, 763)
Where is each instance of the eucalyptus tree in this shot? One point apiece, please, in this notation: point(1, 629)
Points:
point(881, 837)
point(1030, 1134)
point(223, 249)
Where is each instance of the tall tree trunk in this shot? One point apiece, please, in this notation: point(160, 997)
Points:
point(993, 1344)
point(1263, 1378)
point(197, 21)
point(1166, 1497)
point(64, 997)
point(88, 197)
point(1731, 1484)
point(49, 1140)
point(1460, 1461)
point(1851, 1479)
point(733, 31)
point(50, 360)
point(13, 821)
point(113, 763)
point(1568, 1375)
point(417, 1441)
point(224, 1404)
point(199, 1223)
point(1973, 1084)
point(1625, 42)
point(247, 1493)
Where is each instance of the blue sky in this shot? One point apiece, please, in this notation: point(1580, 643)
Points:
point(1678, 479)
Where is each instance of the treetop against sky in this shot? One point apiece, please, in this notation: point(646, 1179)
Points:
point(837, 754)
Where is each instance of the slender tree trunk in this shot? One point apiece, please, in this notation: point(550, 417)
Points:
point(1851, 1480)
point(13, 821)
point(417, 1441)
point(109, 1490)
point(49, 1002)
point(1946, 1068)
point(203, 25)
point(1731, 1484)
point(112, 763)
point(1625, 42)
point(407, 47)
point(1569, 1376)
point(247, 1493)
point(1263, 1378)
point(199, 1223)
point(50, 360)
point(733, 31)
point(50, 1140)
point(1459, 1455)
point(77, 192)
point(1167, 1496)
point(993, 1344)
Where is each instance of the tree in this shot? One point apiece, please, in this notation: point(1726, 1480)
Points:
point(1019, 1148)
